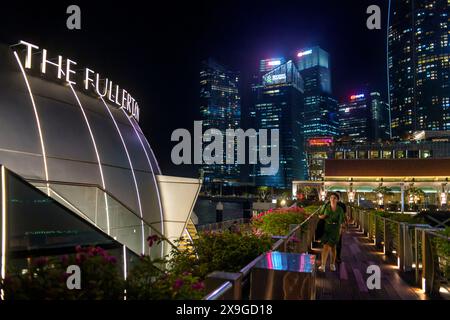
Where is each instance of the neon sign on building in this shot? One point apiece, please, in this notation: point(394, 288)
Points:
point(357, 96)
point(316, 142)
point(273, 63)
point(304, 53)
point(89, 79)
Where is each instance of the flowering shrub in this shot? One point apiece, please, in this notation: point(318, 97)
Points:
point(45, 278)
point(178, 276)
point(221, 251)
point(278, 221)
point(150, 280)
point(147, 282)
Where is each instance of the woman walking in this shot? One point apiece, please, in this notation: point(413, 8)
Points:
point(333, 216)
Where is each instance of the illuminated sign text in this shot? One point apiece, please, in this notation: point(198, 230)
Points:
point(88, 78)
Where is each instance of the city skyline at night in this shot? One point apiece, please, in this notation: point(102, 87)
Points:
point(169, 55)
point(241, 152)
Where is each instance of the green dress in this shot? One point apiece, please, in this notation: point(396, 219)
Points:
point(332, 224)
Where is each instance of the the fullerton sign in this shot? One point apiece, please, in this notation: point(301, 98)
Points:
point(91, 81)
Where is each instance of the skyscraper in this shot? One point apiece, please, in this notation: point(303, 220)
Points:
point(279, 105)
point(320, 115)
point(364, 118)
point(380, 118)
point(220, 108)
point(418, 64)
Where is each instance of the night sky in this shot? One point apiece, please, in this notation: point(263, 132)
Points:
point(155, 51)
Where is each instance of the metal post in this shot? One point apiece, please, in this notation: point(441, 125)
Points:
point(402, 188)
point(219, 212)
point(362, 222)
point(416, 254)
point(407, 248)
point(430, 266)
point(425, 263)
point(387, 238)
point(217, 278)
point(377, 232)
point(400, 260)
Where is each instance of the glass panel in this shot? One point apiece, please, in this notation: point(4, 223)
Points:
point(374, 154)
point(362, 154)
point(37, 222)
point(413, 154)
point(426, 154)
point(400, 154)
point(90, 203)
point(350, 155)
point(125, 226)
point(387, 154)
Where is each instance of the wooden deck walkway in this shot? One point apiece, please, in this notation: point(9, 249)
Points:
point(348, 282)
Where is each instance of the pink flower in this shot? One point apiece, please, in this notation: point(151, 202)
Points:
point(198, 286)
point(152, 239)
point(178, 284)
point(80, 257)
point(112, 259)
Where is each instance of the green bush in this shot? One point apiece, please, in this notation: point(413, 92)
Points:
point(147, 282)
point(220, 251)
point(311, 209)
point(277, 222)
point(402, 217)
point(443, 251)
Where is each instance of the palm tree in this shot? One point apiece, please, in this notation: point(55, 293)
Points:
point(415, 193)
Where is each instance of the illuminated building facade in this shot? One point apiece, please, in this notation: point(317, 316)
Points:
point(76, 168)
point(320, 114)
point(279, 105)
point(418, 65)
point(320, 110)
point(364, 118)
point(220, 108)
point(425, 145)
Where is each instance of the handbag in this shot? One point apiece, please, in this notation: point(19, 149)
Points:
point(320, 228)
